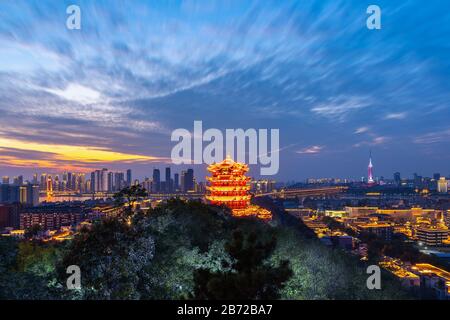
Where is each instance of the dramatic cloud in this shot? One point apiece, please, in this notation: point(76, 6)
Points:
point(139, 69)
point(48, 156)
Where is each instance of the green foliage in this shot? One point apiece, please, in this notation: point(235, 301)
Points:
point(129, 196)
point(249, 277)
point(188, 235)
point(33, 231)
point(187, 249)
point(112, 255)
point(27, 270)
point(322, 273)
point(40, 259)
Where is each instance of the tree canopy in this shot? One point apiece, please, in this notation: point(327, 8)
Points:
point(187, 249)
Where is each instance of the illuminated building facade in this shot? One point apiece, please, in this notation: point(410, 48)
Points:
point(229, 186)
point(435, 278)
point(51, 217)
point(262, 186)
point(49, 186)
point(370, 171)
point(442, 185)
point(432, 236)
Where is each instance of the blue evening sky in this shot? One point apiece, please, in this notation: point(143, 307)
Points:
point(139, 69)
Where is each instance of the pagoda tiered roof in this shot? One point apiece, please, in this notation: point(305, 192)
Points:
point(229, 186)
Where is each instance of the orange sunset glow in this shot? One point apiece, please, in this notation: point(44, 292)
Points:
point(57, 153)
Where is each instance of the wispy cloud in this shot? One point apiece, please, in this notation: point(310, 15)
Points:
point(379, 140)
point(138, 70)
point(433, 137)
point(396, 116)
point(310, 150)
point(339, 107)
point(78, 93)
point(361, 130)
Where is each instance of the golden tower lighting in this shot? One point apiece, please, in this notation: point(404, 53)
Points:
point(229, 186)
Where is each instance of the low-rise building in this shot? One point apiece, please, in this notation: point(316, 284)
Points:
point(406, 277)
point(431, 235)
point(434, 278)
point(51, 217)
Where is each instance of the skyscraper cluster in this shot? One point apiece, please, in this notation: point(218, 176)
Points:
point(68, 181)
point(107, 181)
point(19, 191)
point(184, 182)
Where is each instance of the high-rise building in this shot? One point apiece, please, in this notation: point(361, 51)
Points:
point(110, 187)
point(104, 180)
point(156, 180)
point(35, 179)
point(182, 179)
point(417, 181)
point(169, 183)
point(92, 182)
point(23, 194)
point(29, 194)
point(49, 187)
point(43, 183)
point(442, 186)
point(56, 183)
point(98, 180)
point(176, 185)
point(81, 183)
point(5, 180)
point(189, 180)
point(147, 184)
point(68, 178)
point(397, 178)
point(119, 181)
point(436, 176)
point(73, 182)
point(4, 193)
point(18, 181)
point(129, 177)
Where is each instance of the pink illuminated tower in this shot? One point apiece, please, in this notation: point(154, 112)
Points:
point(370, 170)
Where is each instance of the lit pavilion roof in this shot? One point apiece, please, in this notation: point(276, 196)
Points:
point(227, 163)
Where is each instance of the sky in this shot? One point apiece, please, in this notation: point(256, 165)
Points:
point(110, 94)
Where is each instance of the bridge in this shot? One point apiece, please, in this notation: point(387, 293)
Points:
point(305, 192)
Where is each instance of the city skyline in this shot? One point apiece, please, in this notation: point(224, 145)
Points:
point(110, 94)
point(200, 177)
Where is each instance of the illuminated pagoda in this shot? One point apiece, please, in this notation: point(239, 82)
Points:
point(229, 186)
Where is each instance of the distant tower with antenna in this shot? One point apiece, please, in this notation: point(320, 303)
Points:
point(370, 170)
